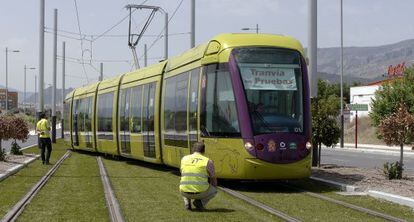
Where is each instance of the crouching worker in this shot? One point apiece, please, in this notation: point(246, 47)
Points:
point(198, 179)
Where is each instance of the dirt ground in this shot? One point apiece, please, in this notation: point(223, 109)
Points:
point(366, 179)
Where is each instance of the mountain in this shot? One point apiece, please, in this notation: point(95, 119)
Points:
point(30, 97)
point(366, 62)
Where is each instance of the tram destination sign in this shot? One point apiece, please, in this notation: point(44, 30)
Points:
point(358, 107)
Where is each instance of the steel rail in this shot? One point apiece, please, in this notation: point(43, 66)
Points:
point(348, 205)
point(259, 205)
point(18, 208)
point(111, 201)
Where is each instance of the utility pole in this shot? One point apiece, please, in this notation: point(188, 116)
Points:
point(63, 88)
point(145, 56)
point(192, 23)
point(312, 55)
point(342, 78)
point(35, 92)
point(25, 71)
point(54, 76)
point(7, 82)
point(24, 97)
point(101, 72)
point(41, 56)
point(166, 37)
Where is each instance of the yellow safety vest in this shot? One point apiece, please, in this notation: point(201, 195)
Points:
point(194, 176)
point(43, 125)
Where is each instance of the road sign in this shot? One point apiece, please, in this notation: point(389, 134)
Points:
point(358, 107)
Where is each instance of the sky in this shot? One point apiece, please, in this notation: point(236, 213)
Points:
point(366, 23)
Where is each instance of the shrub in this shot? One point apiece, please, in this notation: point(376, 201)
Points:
point(393, 170)
point(2, 155)
point(15, 149)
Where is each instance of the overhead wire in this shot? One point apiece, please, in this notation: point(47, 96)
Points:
point(160, 35)
point(81, 43)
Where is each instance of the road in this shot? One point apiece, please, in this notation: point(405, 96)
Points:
point(31, 141)
point(366, 159)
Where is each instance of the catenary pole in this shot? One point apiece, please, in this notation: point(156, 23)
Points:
point(342, 77)
point(54, 76)
point(312, 56)
point(101, 71)
point(63, 88)
point(192, 23)
point(40, 105)
point(166, 37)
point(7, 81)
point(145, 55)
point(24, 95)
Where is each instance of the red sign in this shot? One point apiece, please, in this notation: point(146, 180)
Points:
point(397, 70)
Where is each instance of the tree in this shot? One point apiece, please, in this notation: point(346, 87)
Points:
point(325, 108)
point(19, 131)
point(393, 99)
point(5, 127)
point(396, 130)
point(391, 95)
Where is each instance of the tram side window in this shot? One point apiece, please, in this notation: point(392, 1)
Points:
point(219, 113)
point(175, 111)
point(124, 109)
point(105, 108)
point(193, 105)
point(136, 111)
point(66, 125)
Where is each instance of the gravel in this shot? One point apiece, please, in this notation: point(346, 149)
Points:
point(366, 179)
point(14, 160)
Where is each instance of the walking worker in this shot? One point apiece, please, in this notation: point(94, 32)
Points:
point(42, 130)
point(198, 178)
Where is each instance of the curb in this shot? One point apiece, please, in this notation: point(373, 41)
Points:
point(17, 168)
point(406, 201)
point(368, 150)
point(340, 186)
point(392, 198)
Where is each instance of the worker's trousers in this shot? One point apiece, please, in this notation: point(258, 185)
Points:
point(205, 196)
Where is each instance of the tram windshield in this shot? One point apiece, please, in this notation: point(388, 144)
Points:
point(273, 84)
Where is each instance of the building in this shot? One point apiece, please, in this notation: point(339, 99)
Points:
point(365, 94)
point(13, 98)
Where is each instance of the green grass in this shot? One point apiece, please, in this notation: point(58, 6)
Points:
point(74, 193)
point(298, 204)
point(150, 193)
point(15, 187)
point(383, 206)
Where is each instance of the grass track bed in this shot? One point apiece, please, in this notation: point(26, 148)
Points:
point(16, 186)
point(392, 209)
point(74, 193)
point(149, 193)
point(299, 205)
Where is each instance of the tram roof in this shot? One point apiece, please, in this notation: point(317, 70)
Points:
point(233, 40)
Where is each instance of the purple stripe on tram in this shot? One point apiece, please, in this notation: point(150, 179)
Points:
point(241, 103)
point(306, 103)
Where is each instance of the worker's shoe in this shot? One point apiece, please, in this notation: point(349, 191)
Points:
point(187, 206)
point(198, 204)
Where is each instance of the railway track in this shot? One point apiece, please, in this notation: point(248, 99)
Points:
point(18, 208)
point(289, 218)
point(111, 201)
point(348, 205)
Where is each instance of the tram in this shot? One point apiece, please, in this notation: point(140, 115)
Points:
point(246, 96)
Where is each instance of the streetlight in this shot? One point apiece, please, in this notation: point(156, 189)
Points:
point(26, 68)
point(257, 29)
point(7, 82)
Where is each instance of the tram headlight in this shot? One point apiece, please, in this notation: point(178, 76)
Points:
point(248, 146)
point(308, 145)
